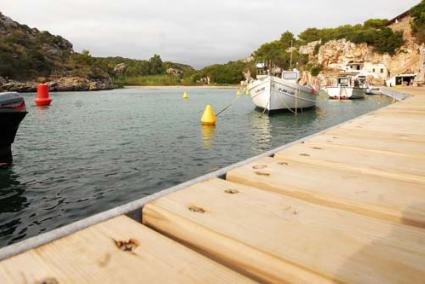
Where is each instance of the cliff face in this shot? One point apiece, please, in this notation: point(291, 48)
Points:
point(335, 55)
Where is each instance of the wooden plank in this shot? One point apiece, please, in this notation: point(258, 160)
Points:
point(410, 112)
point(407, 113)
point(370, 143)
point(369, 195)
point(414, 133)
point(283, 239)
point(377, 134)
point(406, 119)
point(389, 166)
point(394, 125)
point(92, 256)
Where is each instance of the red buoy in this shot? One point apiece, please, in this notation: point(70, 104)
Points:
point(43, 98)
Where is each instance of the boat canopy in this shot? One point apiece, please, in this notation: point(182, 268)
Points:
point(291, 75)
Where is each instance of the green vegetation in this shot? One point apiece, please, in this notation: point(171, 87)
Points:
point(149, 80)
point(283, 53)
point(22, 56)
point(225, 74)
point(315, 69)
point(418, 23)
point(222, 74)
point(142, 72)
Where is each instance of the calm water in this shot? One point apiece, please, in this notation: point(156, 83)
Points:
point(93, 151)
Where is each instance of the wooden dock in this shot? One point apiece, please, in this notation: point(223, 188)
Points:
point(346, 205)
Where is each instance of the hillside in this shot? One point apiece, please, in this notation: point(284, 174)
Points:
point(27, 52)
point(29, 56)
point(381, 46)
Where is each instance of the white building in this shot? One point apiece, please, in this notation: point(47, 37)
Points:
point(378, 70)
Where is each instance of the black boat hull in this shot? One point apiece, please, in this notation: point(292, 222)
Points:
point(12, 112)
point(9, 124)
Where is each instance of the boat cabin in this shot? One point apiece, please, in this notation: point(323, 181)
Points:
point(291, 75)
point(359, 81)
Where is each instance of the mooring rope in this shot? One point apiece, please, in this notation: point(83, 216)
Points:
point(228, 106)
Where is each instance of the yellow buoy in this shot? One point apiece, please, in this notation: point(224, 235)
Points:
point(208, 134)
point(208, 117)
point(185, 95)
point(238, 93)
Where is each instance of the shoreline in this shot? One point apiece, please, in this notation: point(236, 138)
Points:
point(183, 87)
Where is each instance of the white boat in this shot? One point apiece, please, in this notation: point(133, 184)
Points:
point(272, 93)
point(348, 87)
point(373, 91)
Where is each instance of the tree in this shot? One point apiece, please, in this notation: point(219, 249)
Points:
point(310, 35)
point(287, 39)
point(376, 23)
point(156, 65)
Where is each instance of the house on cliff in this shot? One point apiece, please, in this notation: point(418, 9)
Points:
point(402, 23)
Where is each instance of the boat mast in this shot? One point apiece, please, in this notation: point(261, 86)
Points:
point(290, 61)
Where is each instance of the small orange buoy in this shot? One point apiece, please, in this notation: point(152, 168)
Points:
point(42, 98)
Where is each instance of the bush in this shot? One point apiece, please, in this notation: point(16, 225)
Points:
point(316, 69)
point(418, 23)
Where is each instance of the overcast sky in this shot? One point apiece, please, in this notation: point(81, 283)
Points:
point(195, 32)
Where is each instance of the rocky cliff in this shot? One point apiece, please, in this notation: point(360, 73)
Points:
point(336, 55)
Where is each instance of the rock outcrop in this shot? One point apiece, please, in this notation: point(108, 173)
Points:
point(120, 68)
point(62, 84)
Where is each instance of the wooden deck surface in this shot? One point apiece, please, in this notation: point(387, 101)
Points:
point(117, 251)
point(346, 206)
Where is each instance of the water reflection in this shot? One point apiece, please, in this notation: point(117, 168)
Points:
point(261, 130)
point(12, 201)
point(280, 124)
point(208, 135)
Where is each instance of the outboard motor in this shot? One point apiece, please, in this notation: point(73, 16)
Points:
point(12, 112)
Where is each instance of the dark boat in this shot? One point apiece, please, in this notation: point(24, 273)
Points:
point(12, 112)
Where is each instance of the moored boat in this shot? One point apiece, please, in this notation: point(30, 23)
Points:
point(348, 87)
point(272, 93)
point(373, 91)
point(12, 112)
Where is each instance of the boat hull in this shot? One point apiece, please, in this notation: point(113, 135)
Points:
point(273, 94)
point(373, 91)
point(9, 124)
point(345, 93)
point(12, 112)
